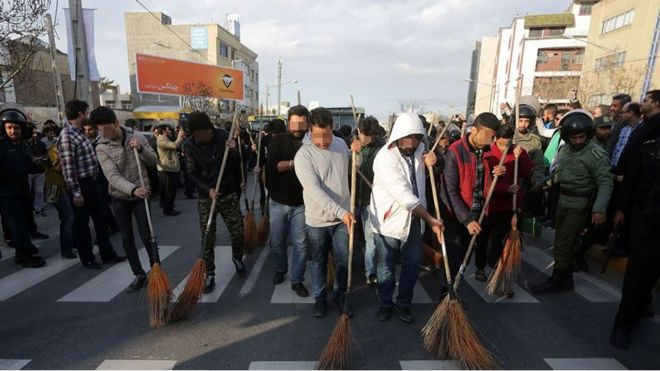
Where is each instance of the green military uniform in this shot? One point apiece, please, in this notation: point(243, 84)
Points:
point(532, 144)
point(579, 174)
point(230, 209)
point(600, 143)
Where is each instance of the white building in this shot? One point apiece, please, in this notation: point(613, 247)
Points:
point(546, 49)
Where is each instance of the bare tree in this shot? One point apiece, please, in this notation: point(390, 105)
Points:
point(197, 96)
point(406, 105)
point(105, 83)
point(21, 25)
point(610, 78)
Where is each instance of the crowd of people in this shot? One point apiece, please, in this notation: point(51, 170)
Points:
point(576, 170)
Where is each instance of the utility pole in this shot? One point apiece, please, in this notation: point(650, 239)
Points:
point(279, 85)
point(57, 78)
point(83, 85)
point(267, 100)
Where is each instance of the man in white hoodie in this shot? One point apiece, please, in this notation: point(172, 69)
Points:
point(321, 165)
point(397, 209)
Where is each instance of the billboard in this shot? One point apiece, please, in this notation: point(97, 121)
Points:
point(167, 76)
point(199, 38)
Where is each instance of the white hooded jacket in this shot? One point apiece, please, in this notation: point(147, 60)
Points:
point(392, 198)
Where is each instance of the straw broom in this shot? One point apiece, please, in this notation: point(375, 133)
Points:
point(337, 353)
point(249, 226)
point(462, 342)
point(508, 267)
point(159, 290)
point(192, 292)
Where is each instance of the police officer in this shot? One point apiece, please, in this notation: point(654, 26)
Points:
point(583, 175)
point(603, 125)
point(639, 203)
point(15, 163)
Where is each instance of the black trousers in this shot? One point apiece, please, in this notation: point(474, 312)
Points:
point(642, 274)
point(494, 230)
point(16, 218)
point(125, 210)
point(94, 207)
point(169, 182)
point(457, 239)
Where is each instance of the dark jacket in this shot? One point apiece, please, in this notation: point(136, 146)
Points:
point(283, 188)
point(649, 131)
point(38, 149)
point(203, 161)
point(366, 166)
point(15, 164)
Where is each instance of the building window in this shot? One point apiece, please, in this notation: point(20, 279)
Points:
point(535, 32)
point(546, 32)
point(618, 21)
point(224, 50)
point(585, 9)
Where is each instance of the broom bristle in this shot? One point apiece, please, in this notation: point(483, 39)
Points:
point(160, 296)
point(192, 292)
point(337, 353)
point(508, 268)
point(249, 237)
point(464, 345)
point(330, 273)
point(263, 229)
point(436, 331)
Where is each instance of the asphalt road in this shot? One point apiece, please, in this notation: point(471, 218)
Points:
point(69, 317)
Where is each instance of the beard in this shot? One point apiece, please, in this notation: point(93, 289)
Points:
point(298, 134)
point(578, 147)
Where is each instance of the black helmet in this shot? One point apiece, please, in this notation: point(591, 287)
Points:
point(454, 135)
point(575, 122)
point(13, 115)
point(526, 111)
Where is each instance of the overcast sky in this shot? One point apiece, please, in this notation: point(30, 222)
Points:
point(384, 52)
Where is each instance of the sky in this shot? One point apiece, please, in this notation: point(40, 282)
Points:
point(383, 52)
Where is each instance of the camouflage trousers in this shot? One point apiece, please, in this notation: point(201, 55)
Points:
point(230, 209)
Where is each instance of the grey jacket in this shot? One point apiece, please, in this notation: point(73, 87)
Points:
point(119, 165)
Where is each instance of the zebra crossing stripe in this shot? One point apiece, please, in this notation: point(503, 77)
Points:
point(520, 295)
point(589, 287)
point(282, 365)
point(252, 278)
point(26, 278)
point(224, 272)
point(584, 364)
point(7, 253)
point(430, 365)
point(112, 282)
point(13, 364)
point(136, 364)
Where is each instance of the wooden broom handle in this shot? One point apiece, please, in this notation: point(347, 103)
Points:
point(442, 234)
point(515, 141)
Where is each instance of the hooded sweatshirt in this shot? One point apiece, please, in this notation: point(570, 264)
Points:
point(392, 197)
point(323, 174)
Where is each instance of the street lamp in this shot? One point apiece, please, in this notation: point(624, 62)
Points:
point(268, 87)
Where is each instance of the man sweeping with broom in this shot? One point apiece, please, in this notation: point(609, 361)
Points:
point(115, 154)
point(397, 209)
point(204, 152)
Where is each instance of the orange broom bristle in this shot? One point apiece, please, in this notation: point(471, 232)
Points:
point(337, 353)
point(263, 229)
point(464, 344)
point(192, 292)
point(249, 237)
point(160, 295)
point(508, 268)
point(436, 331)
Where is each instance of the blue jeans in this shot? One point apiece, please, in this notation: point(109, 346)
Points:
point(321, 241)
point(411, 258)
point(369, 246)
point(288, 222)
point(65, 213)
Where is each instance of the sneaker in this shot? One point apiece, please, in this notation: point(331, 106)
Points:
point(33, 262)
point(372, 280)
point(240, 266)
point(137, 284)
point(278, 278)
point(209, 284)
point(320, 308)
point(115, 259)
point(405, 314)
point(384, 313)
point(300, 289)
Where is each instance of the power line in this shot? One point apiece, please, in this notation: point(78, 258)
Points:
point(174, 33)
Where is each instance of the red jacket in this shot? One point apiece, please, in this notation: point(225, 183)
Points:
point(502, 200)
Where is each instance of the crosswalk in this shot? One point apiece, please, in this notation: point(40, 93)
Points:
point(7, 253)
point(224, 272)
point(168, 364)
